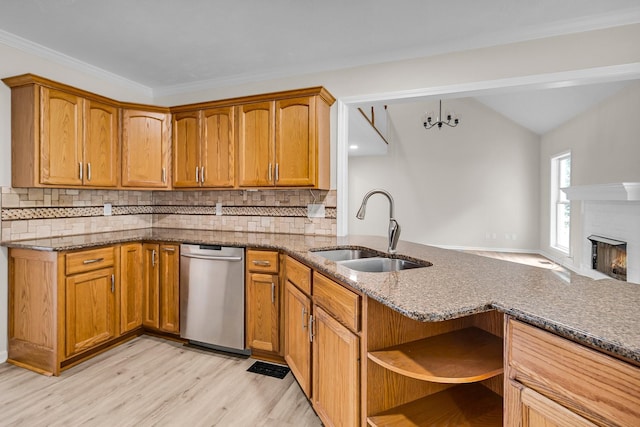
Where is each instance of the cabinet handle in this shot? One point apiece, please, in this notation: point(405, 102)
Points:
point(273, 293)
point(164, 175)
point(91, 261)
point(269, 172)
point(197, 179)
point(80, 169)
point(202, 174)
point(169, 249)
point(261, 263)
point(153, 258)
point(277, 172)
point(311, 328)
point(113, 284)
point(304, 318)
point(89, 171)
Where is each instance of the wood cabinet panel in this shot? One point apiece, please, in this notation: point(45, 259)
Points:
point(590, 384)
point(90, 259)
point(263, 311)
point(100, 144)
point(336, 371)
point(262, 261)
point(61, 142)
point(297, 346)
point(218, 147)
point(170, 288)
point(90, 310)
point(131, 290)
point(256, 145)
point(151, 286)
point(145, 149)
point(299, 274)
point(341, 302)
point(186, 149)
point(296, 151)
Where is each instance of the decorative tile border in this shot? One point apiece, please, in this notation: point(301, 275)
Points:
point(17, 214)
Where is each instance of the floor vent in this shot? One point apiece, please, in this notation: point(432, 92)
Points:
point(269, 369)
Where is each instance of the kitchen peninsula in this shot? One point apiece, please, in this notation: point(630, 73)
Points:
point(594, 314)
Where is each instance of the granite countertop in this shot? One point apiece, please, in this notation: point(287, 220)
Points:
point(599, 313)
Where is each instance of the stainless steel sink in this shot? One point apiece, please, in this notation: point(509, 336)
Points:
point(340, 254)
point(369, 260)
point(381, 264)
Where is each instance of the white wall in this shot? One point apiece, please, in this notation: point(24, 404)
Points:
point(14, 62)
point(452, 186)
point(605, 148)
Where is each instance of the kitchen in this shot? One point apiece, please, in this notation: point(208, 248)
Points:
point(506, 64)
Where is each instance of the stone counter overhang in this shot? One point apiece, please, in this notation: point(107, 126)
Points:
point(603, 314)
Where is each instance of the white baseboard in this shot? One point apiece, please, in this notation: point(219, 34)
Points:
point(3, 356)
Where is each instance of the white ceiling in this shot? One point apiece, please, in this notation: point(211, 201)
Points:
point(166, 44)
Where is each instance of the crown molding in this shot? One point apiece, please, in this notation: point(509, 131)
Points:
point(27, 46)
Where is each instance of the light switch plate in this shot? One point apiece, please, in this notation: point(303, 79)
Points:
point(315, 210)
point(107, 209)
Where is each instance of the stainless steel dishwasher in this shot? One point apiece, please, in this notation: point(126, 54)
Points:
point(212, 297)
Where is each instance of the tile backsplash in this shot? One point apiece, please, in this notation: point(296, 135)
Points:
point(28, 213)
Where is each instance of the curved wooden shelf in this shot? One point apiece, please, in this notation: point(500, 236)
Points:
point(461, 406)
point(463, 356)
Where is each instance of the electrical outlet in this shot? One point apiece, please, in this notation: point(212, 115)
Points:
point(107, 209)
point(315, 210)
point(218, 208)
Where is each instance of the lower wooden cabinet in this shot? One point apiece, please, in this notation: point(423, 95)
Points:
point(90, 310)
point(297, 340)
point(130, 287)
point(336, 371)
point(555, 382)
point(263, 302)
point(161, 287)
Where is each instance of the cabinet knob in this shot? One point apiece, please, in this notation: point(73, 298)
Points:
point(261, 263)
point(197, 175)
point(113, 284)
point(277, 172)
point(80, 170)
point(89, 171)
point(311, 328)
point(164, 175)
point(273, 293)
point(270, 172)
point(91, 261)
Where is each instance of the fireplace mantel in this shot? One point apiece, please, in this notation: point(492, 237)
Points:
point(623, 191)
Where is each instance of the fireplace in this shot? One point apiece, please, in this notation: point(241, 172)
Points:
point(609, 256)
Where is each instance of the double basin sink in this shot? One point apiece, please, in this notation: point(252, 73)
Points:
point(369, 260)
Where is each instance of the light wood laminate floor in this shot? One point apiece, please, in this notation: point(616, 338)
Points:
point(153, 382)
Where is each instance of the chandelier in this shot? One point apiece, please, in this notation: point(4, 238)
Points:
point(430, 123)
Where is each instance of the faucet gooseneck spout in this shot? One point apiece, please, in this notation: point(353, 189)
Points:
point(394, 227)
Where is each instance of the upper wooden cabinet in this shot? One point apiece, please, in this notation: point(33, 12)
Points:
point(66, 137)
point(145, 149)
point(285, 143)
point(61, 136)
point(203, 148)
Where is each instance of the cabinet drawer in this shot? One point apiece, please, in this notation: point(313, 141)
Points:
point(262, 261)
point(591, 384)
point(343, 304)
point(299, 274)
point(78, 262)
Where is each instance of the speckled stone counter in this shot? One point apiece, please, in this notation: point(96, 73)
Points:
point(599, 313)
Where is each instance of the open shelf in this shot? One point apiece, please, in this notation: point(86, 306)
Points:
point(462, 406)
point(463, 356)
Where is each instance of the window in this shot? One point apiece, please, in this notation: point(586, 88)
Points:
point(560, 205)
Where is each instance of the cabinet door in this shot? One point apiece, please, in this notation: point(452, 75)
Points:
point(297, 344)
point(336, 371)
point(90, 309)
point(151, 286)
point(262, 312)
point(145, 149)
point(217, 148)
point(296, 150)
point(100, 144)
point(60, 138)
point(130, 287)
point(186, 149)
point(170, 288)
point(256, 148)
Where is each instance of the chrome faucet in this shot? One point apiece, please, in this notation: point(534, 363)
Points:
point(394, 227)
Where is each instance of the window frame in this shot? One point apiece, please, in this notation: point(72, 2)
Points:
point(558, 199)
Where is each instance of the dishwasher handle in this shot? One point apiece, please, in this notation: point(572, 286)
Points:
point(213, 257)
